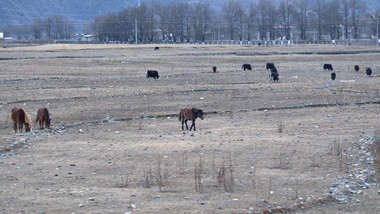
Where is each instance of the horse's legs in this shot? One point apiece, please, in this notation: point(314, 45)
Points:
point(20, 125)
point(15, 127)
point(183, 121)
point(187, 127)
point(192, 125)
point(41, 124)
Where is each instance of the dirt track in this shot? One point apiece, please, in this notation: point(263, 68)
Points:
point(116, 139)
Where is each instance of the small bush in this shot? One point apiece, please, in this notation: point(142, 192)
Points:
point(283, 161)
point(198, 171)
point(226, 177)
point(375, 150)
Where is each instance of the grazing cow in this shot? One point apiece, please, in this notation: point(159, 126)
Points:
point(333, 76)
point(274, 70)
point(356, 68)
point(274, 75)
point(214, 69)
point(156, 48)
point(246, 67)
point(327, 67)
point(368, 71)
point(43, 118)
point(190, 114)
point(270, 66)
point(152, 73)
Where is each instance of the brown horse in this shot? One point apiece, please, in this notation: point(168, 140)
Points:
point(190, 114)
point(20, 118)
point(43, 118)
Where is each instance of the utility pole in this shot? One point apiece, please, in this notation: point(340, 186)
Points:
point(218, 33)
point(377, 31)
point(136, 32)
point(97, 32)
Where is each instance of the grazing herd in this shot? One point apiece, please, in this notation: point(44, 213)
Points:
point(20, 118)
point(329, 67)
point(274, 75)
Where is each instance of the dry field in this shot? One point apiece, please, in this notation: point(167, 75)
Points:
point(116, 144)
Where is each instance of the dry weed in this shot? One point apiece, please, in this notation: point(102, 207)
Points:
point(198, 171)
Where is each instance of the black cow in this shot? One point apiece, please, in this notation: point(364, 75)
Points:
point(152, 73)
point(333, 76)
point(270, 65)
point(368, 71)
point(214, 69)
point(356, 68)
point(274, 70)
point(274, 74)
point(327, 67)
point(246, 67)
point(156, 48)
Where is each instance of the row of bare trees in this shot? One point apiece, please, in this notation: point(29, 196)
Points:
point(332, 18)
point(175, 22)
point(53, 27)
point(290, 19)
point(198, 22)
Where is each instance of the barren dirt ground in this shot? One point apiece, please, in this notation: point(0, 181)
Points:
point(116, 144)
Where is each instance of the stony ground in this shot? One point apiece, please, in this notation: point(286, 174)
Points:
point(116, 144)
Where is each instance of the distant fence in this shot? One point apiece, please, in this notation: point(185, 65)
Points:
point(283, 43)
point(214, 42)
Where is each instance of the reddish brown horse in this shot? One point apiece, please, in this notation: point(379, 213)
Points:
point(20, 118)
point(190, 114)
point(43, 118)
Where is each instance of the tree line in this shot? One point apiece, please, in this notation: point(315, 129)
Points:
point(198, 22)
point(53, 27)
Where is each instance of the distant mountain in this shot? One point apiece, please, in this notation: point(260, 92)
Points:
point(79, 12)
point(84, 11)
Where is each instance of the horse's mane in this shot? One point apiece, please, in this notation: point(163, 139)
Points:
point(46, 114)
point(27, 118)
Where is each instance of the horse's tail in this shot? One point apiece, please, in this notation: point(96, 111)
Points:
point(38, 115)
point(27, 118)
point(180, 115)
point(46, 114)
